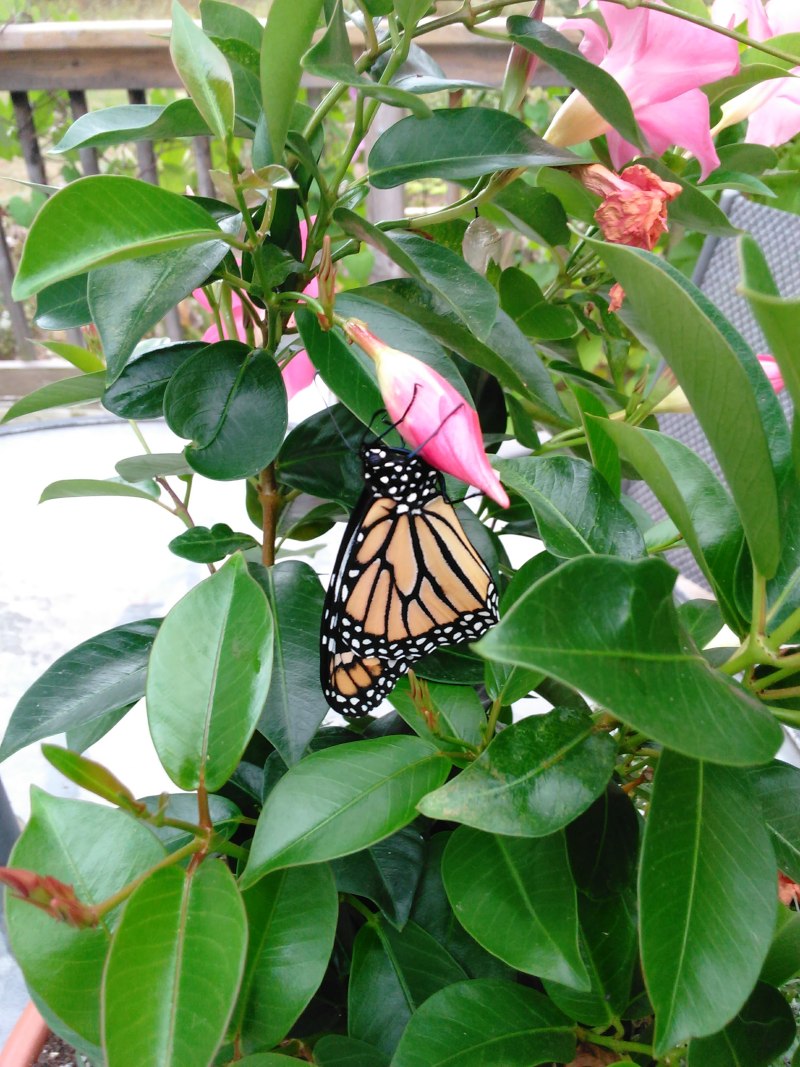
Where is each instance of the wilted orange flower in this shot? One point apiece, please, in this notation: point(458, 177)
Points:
point(634, 208)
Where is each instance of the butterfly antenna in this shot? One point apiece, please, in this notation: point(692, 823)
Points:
point(393, 425)
point(329, 409)
point(427, 440)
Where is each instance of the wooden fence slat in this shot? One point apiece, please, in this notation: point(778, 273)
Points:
point(16, 312)
point(88, 156)
point(29, 143)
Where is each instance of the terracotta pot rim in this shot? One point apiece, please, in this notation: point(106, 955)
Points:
point(26, 1040)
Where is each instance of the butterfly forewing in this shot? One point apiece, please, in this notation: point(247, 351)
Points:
point(406, 581)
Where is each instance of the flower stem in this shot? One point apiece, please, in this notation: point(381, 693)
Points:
point(614, 1043)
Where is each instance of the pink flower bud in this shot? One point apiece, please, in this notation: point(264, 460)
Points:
point(634, 208)
point(520, 69)
point(770, 367)
point(49, 894)
point(431, 416)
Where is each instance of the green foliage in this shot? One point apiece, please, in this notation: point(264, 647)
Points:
point(448, 878)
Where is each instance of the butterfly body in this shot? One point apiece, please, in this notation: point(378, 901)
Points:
point(406, 581)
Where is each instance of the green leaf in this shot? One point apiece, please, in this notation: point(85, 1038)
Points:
point(77, 389)
point(524, 301)
point(287, 36)
point(387, 873)
point(708, 357)
point(152, 465)
point(83, 358)
point(239, 35)
point(133, 122)
point(602, 91)
point(291, 918)
point(98, 850)
point(466, 294)
point(98, 676)
point(534, 212)
point(695, 500)
point(777, 787)
point(783, 959)
point(92, 776)
point(608, 945)
point(204, 71)
point(320, 456)
point(392, 974)
point(575, 510)
point(756, 1035)
point(707, 897)
point(208, 677)
point(343, 799)
point(333, 1050)
point(138, 393)
point(226, 817)
point(63, 305)
point(106, 219)
point(507, 354)
point(693, 208)
point(231, 401)
point(178, 954)
point(295, 705)
point(204, 545)
point(485, 1021)
point(80, 487)
point(128, 299)
point(452, 710)
point(602, 447)
point(343, 368)
point(460, 143)
point(331, 59)
point(633, 660)
point(535, 777)
point(517, 898)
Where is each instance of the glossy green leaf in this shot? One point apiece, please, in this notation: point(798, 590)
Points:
point(535, 212)
point(287, 36)
point(535, 777)
point(633, 659)
point(602, 448)
point(343, 368)
point(231, 401)
point(524, 301)
point(77, 389)
point(693, 497)
point(128, 299)
point(507, 353)
point(178, 953)
point(334, 1050)
point(517, 898)
point(604, 845)
point(295, 705)
point(387, 873)
point(432, 911)
point(98, 850)
point(484, 1023)
point(575, 509)
point(239, 35)
point(225, 817)
point(106, 219)
point(783, 959)
point(320, 456)
point(133, 122)
point(138, 393)
point(63, 305)
point(100, 675)
point(693, 208)
point(777, 787)
point(459, 143)
point(466, 295)
point(203, 544)
point(152, 465)
point(291, 917)
point(92, 776)
point(602, 91)
point(342, 799)
point(755, 1037)
point(392, 974)
point(451, 710)
point(707, 897)
point(331, 58)
point(81, 737)
point(79, 487)
point(608, 943)
point(204, 72)
point(208, 677)
point(707, 356)
point(266, 1059)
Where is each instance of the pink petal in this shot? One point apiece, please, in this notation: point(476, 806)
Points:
point(212, 333)
point(683, 121)
point(783, 16)
point(594, 43)
point(298, 374)
point(777, 119)
point(770, 367)
point(732, 13)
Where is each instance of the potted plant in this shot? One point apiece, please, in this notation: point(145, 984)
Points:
point(446, 881)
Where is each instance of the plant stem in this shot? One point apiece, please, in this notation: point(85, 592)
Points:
point(491, 722)
point(107, 905)
point(268, 498)
point(614, 1043)
point(140, 436)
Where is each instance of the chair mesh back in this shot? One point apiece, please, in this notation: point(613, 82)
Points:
point(718, 275)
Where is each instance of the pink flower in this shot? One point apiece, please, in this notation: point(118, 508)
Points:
point(634, 207)
point(660, 61)
point(300, 371)
point(770, 367)
point(520, 69)
point(431, 416)
point(772, 107)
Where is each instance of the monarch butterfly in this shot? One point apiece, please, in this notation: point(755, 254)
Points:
point(406, 580)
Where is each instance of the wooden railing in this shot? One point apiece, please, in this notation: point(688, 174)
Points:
point(83, 56)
